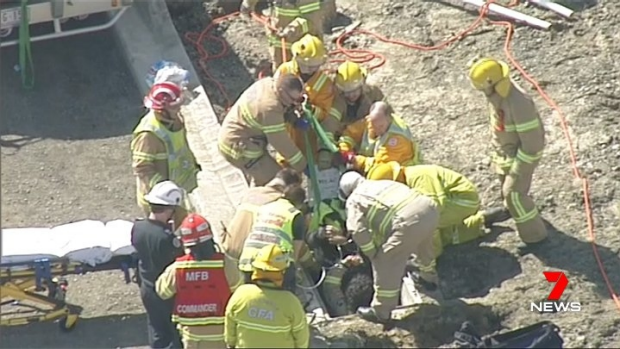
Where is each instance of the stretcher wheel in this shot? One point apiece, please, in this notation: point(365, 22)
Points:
point(67, 323)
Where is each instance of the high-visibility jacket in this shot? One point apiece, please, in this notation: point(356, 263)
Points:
point(242, 222)
point(200, 292)
point(254, 121)
point(263, 316)
point(518, 134)
point(371, 208)
point(321, 93)
point(353, 116)
point(273, 225)
point(181, 164)
point(442, 185)
point(303, 16)
point(396, 144)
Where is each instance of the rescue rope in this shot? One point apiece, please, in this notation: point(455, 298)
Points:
point(366, 56)
point(26, 66)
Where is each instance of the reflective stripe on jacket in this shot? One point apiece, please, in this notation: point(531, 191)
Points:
point(273, 225)
point(371, 209)
point(182, 167)
point(263, 316)
point(371, 147)
point(199, 288)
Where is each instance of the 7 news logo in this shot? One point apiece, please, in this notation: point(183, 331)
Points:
point(553, 303)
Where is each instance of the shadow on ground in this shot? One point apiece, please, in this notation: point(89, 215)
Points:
point(115, 331)
point(434, 325)
point(563, 251)
point(470, 270)
point(43, 111)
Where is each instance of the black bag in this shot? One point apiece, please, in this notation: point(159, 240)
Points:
point(540, 335)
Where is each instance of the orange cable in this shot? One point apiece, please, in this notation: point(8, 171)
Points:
point(366, 56)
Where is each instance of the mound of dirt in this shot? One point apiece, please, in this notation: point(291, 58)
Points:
point(491, 282)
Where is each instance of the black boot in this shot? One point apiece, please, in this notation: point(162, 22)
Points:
point(369, 314)
point(495, 215)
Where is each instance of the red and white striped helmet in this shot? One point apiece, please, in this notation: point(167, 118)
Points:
point(163, 95)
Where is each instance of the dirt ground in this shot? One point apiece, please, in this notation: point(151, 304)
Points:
point(65, 157)
point(489, 282)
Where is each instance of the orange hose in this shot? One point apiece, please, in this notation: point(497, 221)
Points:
point(368, 56)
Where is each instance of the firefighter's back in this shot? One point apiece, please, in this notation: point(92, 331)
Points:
point(266, 317)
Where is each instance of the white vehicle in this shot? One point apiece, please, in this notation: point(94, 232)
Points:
point(57, 12)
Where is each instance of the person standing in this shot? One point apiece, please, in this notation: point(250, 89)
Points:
point(289, 20)
point(159, 146)
point(157, 247)
point(262, 314)
point(197, 282)
point(518, 137)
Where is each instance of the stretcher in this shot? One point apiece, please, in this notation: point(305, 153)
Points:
point(35, 260)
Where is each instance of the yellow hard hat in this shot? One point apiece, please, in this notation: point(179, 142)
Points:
point(271, 258)
point(350, 76)
point(387, 171)
point(309, 50)
point(488, 72)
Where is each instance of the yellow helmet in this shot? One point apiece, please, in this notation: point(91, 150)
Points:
point(387, 171)
point(350, 76)
point(490, 73)
point(271, 258)
point(309, 50)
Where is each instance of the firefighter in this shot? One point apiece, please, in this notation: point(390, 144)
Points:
point(157, 247)
point(262, 314)
point(280, 222)
point(308, 57)
point(159, 146)
point(518, 137)
point(197, 282)
point(386, 138)
point(258, 119)
point(288, 20)
point(242, 221)
point(461, 219)
point(389, 222)
point(353, 104)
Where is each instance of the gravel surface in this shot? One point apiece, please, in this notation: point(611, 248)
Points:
point(65, 157)
point(493, 281)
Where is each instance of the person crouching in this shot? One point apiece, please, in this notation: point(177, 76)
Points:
point(198, 283)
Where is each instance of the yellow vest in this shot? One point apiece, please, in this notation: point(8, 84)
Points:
point(181, 162)
point(370, 147)
point(273, 225)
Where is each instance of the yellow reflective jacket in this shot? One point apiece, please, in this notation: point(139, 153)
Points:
point(397, 144)
point(441, 184)
point(182, 168)
point(263, 316)
point(273, 225)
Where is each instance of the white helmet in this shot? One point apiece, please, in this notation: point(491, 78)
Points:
point(348, 182)
point(165, 193)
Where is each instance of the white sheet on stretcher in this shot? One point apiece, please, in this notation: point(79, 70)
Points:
point(89, 242)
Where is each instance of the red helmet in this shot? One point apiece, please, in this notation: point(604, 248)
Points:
point(162, 95)
point(195, 229)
